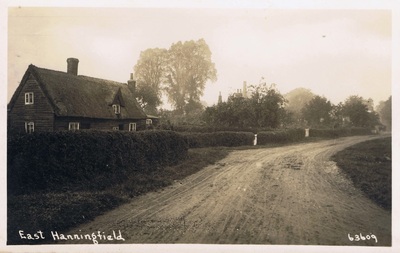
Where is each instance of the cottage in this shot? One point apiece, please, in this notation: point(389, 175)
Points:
point(49, 100)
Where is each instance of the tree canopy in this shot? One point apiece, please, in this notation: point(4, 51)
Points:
point(189, 67)
point(385, 112)
point(149, 74)
point(318, 112)
point(264, 109)
point(359, 113)
point(181, 72)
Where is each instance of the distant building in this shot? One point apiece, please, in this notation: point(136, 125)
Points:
point(49, 100)
point(241, 92)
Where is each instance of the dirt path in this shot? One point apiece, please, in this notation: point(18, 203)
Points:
point(285, 195)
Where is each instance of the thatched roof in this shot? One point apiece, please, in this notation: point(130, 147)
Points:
point(83, 96)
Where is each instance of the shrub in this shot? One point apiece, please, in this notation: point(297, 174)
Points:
point(280, 136)
point(339, 132)
point(97, 159)
point(227, 139)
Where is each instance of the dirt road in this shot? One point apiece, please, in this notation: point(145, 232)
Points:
point(285, 195)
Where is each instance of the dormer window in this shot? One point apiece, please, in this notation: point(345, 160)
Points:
point(117, 109)
point(29, 98)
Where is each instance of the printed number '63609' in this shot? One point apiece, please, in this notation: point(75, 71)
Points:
point(361, 237)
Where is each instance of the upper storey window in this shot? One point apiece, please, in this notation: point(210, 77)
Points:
point(29, 98)
point(117, 109)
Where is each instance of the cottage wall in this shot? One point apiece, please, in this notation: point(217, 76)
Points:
point(40, 112)
point(62, 123)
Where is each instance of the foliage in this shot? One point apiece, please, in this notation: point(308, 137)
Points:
point(149, 74)
point(281, 136)
point(63, 210)
point(317, 112)
point(339, 132)
point(296, 101)
point(359, 113)
point(264, 109)
point(189, 67)
point(181, 72)
point(227, 139)
point(385, 112)
point(93, 159)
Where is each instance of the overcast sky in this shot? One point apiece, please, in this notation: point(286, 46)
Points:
point(335, 53)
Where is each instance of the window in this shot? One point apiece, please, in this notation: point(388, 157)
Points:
point(115, 128)
point(149, 122)
point(29, 127)
point(117, 109)
point(73, 126)
point(29, 98)
point(132, 127)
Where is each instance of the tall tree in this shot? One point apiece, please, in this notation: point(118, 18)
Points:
point(149, 75)
point(357, 110)
point(385, 112)
point(189, 67)
point(296, 101)
point(264, 109)
point(318, 112)
point(268, 105)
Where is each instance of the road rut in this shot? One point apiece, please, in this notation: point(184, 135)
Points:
point(285, 195)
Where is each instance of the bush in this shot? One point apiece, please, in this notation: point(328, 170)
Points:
point(227, 139)
point(339, 132)
point(92, 159)
point(280, 136)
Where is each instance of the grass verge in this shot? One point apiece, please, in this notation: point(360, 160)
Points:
point(58, 211)
point(369, 166)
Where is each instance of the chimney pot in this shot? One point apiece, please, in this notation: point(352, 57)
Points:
point(72, 66)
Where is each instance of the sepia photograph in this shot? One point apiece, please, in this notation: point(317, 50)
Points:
point(227, 127)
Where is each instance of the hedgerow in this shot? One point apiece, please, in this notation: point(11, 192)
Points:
point(280, 136)
point(91, 159)
point(227, 139)
point(339, 132)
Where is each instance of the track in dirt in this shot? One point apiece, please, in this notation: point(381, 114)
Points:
point(285, 195)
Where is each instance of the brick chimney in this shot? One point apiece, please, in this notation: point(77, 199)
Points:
point(72, 67)
point(132, 84)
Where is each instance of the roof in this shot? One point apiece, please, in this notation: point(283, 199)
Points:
point(83, 96)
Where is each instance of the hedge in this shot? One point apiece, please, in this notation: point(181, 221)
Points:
point(339, 132)
point(89, 159)
point(211, 129)
point(227, 139)
point(280, 136)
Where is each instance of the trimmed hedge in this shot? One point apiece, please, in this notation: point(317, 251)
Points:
point(280, 136)
point(89, 159)
point(339, 132)
point(227, 139)
point(211, 129)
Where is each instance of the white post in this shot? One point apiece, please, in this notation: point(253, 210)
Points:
point(307, 132)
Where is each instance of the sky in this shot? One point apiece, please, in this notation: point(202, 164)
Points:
point(333, 52)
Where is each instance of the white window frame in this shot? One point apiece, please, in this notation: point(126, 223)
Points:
point(73, 126)
point(29, 98)
point(29, 127)
point(132, 127)
point(149, 122)
point(116, 108)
